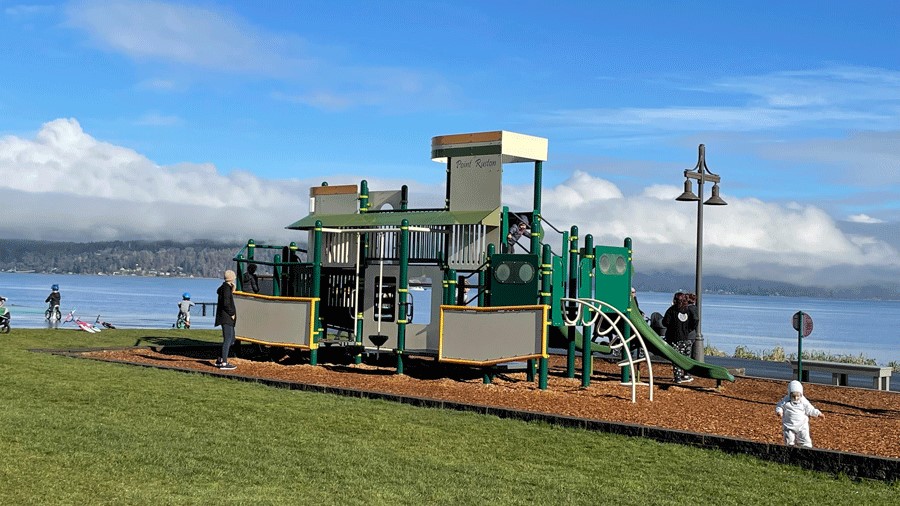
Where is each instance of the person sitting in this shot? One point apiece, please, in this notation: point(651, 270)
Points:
point(250, 281)
point(512, 238)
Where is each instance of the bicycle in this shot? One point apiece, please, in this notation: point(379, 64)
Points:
point(5, 316)
point(53, 314)
point(182, 322)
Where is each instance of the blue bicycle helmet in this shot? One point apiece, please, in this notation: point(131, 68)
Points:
point(186, 296)
point(54, 287)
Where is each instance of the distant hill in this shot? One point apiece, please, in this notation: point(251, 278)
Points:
point(672, 282)
point(142, 258)
point(208, 258)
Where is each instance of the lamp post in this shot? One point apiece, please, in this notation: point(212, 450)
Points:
point(702, 174)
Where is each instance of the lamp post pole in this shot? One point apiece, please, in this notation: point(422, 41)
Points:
point(698, 351)
point(702, 174)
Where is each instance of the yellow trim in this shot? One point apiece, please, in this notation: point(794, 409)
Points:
point(273, 343)
point(489, 362)
point(279, 297)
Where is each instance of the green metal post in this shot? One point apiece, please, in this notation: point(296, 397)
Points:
point(404, 198)
point(536, 227)
point(572, 293)
point(276, 276)
point(450, 296)
point(363, 196)
point(504, 230)
point(239, 260)
point(447, 197)
point(547, 299)
point(403, 290)
point(587, 357)
point(316, 290)
point(357, 359)
point(251, 247)
point(626, 332)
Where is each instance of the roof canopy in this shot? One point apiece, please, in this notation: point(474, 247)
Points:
point(416, 218)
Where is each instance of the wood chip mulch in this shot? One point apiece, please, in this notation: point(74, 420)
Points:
point(856, 420)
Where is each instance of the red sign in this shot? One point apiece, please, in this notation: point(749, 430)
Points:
point(807, 326)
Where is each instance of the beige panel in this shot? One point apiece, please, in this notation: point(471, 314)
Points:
point(475, 182)
point(482, 336)
point(344, 203)
point(274, 320)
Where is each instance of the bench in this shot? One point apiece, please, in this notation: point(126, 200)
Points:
point(881, 376)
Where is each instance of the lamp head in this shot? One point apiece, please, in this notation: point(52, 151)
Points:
point(715, 199)
point(688, 195)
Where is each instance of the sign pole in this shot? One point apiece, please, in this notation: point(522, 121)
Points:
point(800, 346)
point(803, 324)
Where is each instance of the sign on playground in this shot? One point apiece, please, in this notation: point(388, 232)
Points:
point(806, 327)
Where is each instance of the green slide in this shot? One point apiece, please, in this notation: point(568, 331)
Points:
point(656, 345)
point(560, 334)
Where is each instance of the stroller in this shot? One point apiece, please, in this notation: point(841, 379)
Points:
point(5, 316)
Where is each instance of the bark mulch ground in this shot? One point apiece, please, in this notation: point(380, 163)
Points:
point(856, 420)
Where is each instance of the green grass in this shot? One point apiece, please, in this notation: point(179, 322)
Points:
point(84, 432)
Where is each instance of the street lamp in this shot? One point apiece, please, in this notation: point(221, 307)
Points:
point(702, 174)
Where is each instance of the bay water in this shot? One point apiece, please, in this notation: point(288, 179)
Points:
point(841, 327)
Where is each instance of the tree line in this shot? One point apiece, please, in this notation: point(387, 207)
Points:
point(144, 258)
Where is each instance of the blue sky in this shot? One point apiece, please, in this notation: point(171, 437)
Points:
point(212, 119)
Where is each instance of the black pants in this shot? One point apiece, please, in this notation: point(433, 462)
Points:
point(227, 340)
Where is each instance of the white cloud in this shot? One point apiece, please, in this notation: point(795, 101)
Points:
point(66, 185)
point(863, 218)
point(836, 97)
point(747, 239)
point(195, 36)
point(216, 39)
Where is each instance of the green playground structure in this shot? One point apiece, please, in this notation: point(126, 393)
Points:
point(470, 283)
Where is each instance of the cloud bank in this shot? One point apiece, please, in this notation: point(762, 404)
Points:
point(64, 184)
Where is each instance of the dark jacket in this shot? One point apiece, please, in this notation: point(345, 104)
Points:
point(680, 324)
point(53, 298)
point(225, 306)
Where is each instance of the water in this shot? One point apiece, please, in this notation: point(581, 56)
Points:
point(844, 327)
point(840, 327)
point(124, 301)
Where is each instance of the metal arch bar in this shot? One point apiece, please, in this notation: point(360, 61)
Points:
point(596, 306)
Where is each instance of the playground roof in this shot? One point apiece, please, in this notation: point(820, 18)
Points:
point(511, 146)
point(416, 218)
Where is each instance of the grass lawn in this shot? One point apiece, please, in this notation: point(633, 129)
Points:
point(84, 432)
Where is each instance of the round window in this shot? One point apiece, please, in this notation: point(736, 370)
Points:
point(604, 264)
point(620, 265)
point(502, 273)
point(526, 272)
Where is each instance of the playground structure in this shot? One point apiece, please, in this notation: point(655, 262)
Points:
point(446, 284)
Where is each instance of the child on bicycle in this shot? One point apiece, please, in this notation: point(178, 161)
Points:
point(54, 300)
point(184, 309)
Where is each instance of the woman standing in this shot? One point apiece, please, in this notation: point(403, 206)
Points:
point(680, 321)
point(226, 316)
